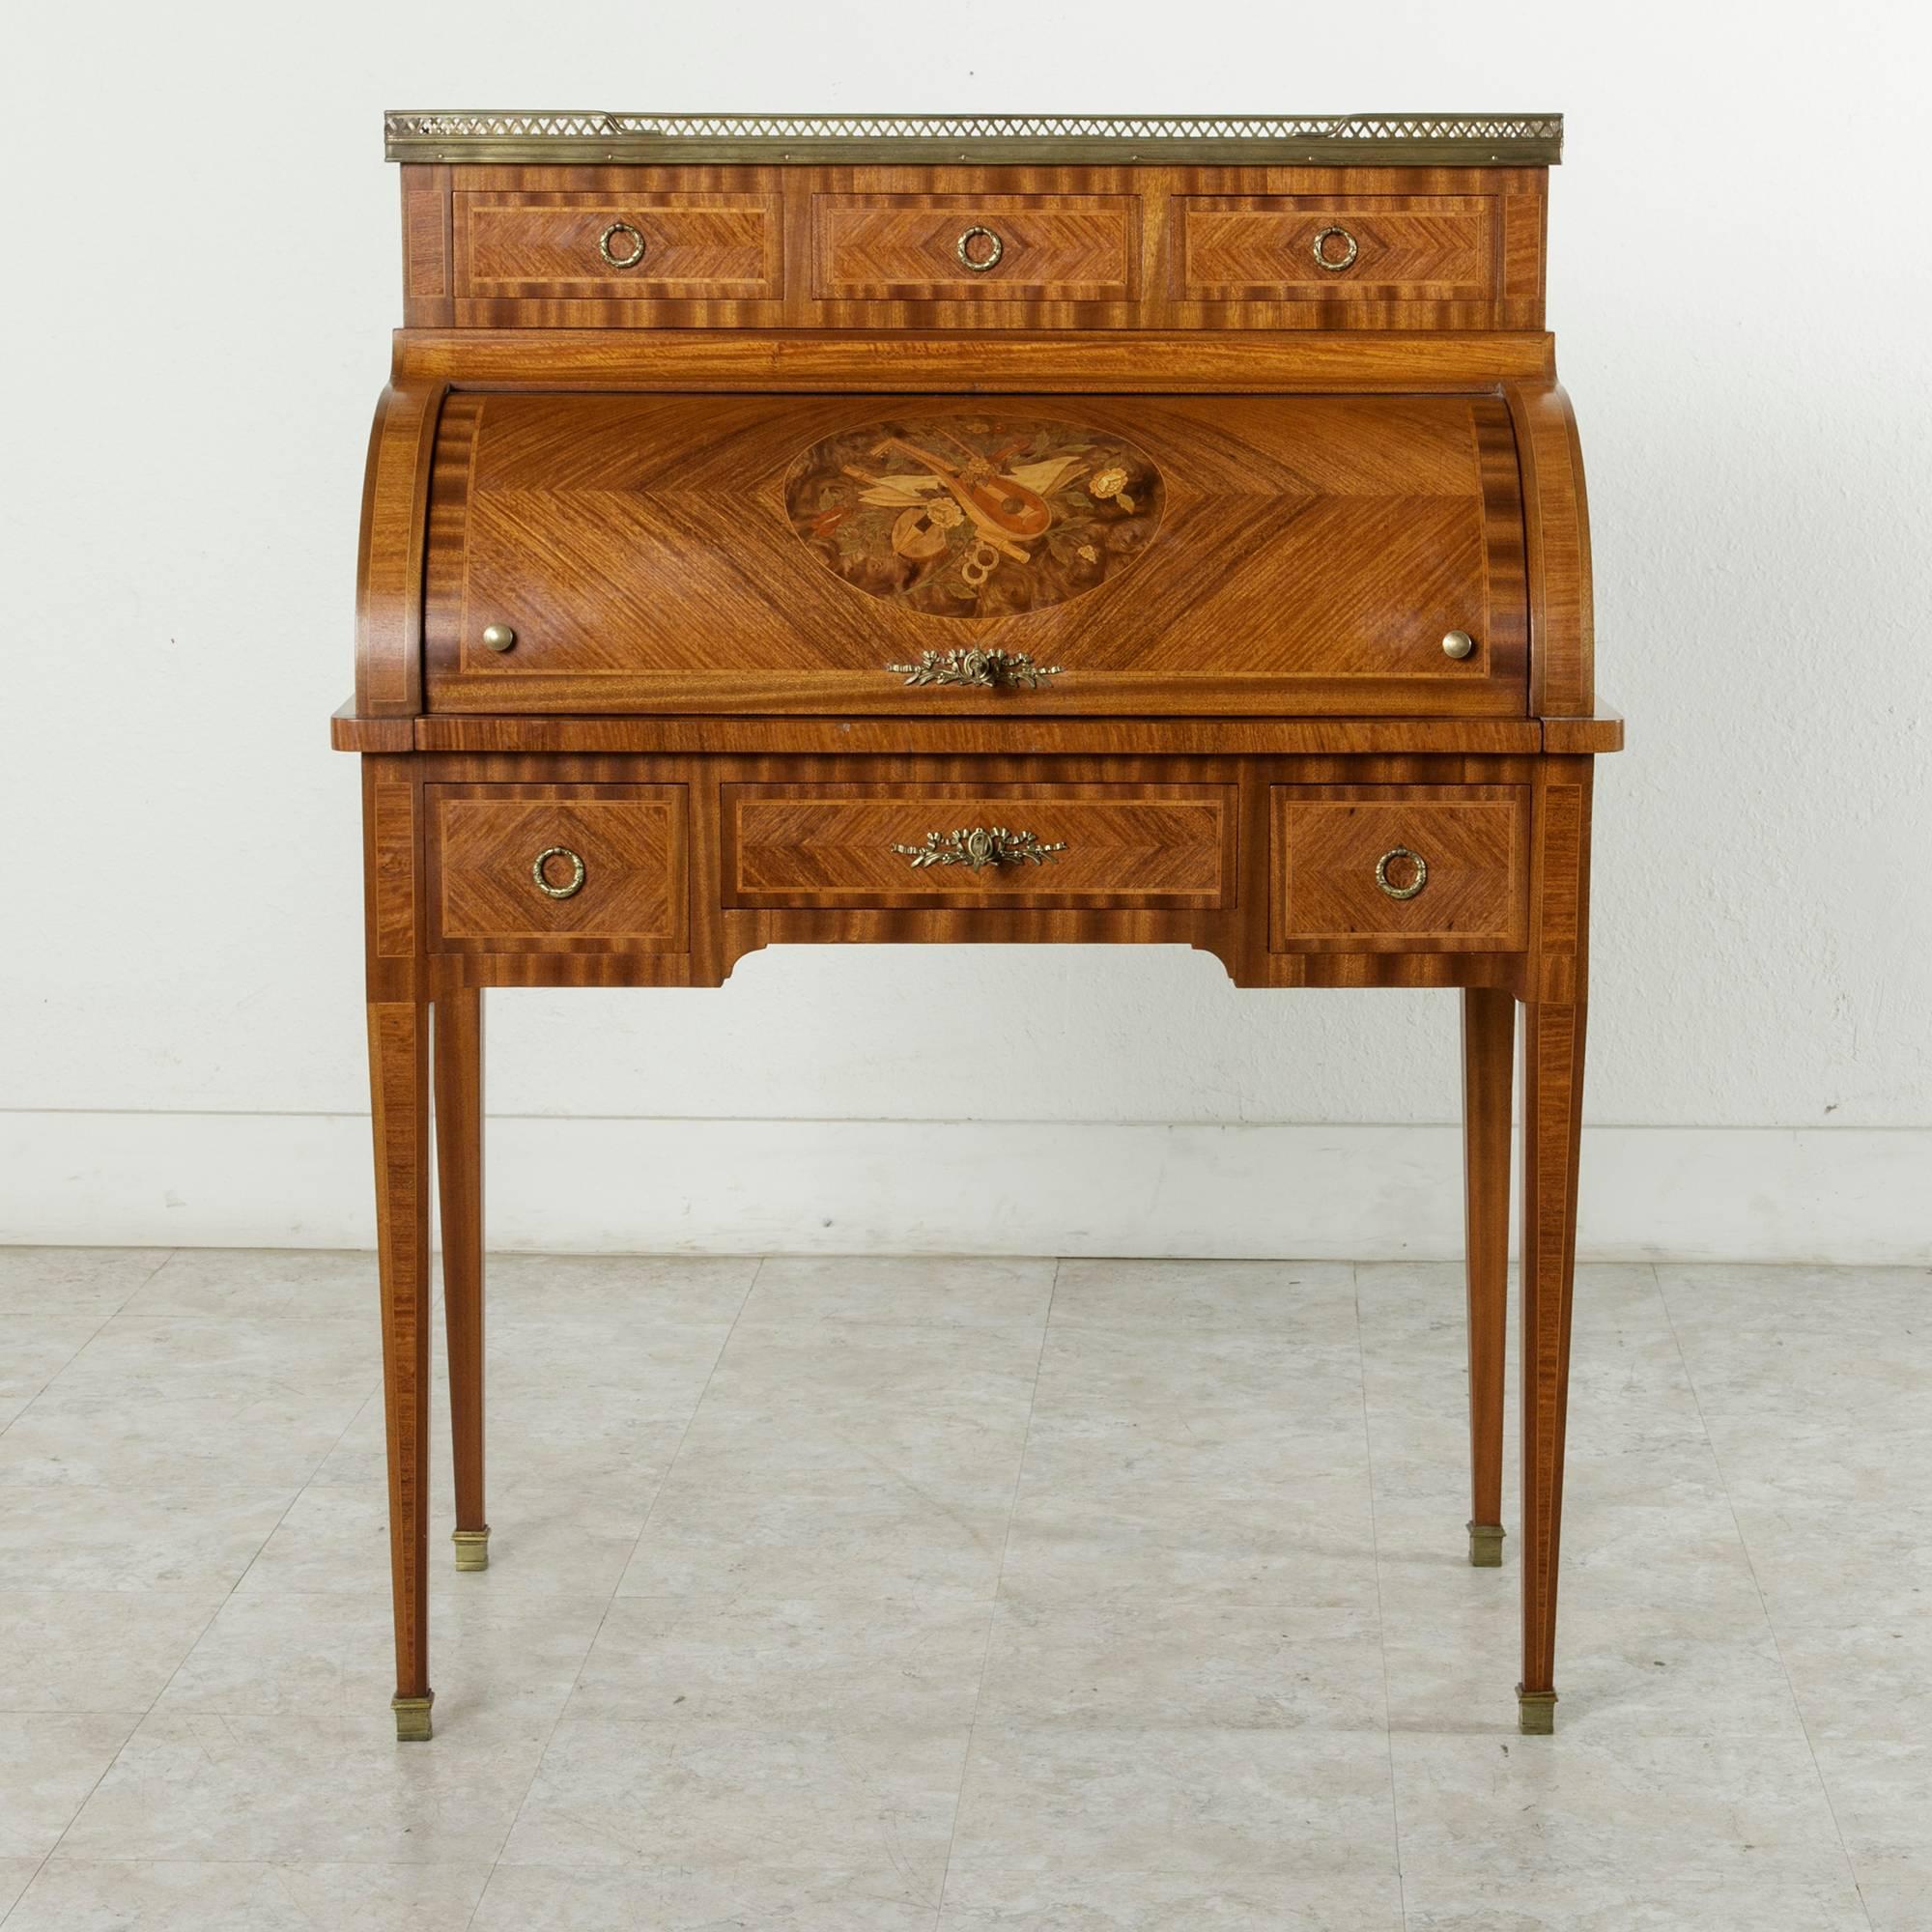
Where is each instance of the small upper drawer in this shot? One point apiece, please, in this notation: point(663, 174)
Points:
point(985, 247)
point(557, 868)
point(1382, 867)
point(653, 246)
point(1126, 845)
point(1345, 247)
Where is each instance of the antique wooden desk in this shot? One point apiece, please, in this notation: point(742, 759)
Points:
point(1165, 532)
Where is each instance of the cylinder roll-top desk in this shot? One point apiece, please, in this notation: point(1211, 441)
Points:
point(958, 529)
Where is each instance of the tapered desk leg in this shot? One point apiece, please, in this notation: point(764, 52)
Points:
point(1488, 1042)
point(1552, 1112)
point(459, 1169)
point(399, 1095)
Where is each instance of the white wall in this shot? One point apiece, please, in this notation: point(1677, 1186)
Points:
point(203, 249)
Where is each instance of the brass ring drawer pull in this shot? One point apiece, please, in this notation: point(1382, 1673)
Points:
point(978, 847)
point(1335, 264)
point(632, 256)
point(969, 665)
point(1415, 884)
point(576, 881)
point(964, 248)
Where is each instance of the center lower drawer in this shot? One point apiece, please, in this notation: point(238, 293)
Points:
point(805, 845)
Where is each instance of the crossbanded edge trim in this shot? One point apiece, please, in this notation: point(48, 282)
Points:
point(486, 135)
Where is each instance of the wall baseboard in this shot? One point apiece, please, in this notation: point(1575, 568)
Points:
point(723, 1186)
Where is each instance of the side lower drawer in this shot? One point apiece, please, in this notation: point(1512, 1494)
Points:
point(557, 868)
point(807, 845)
point(1383, 867)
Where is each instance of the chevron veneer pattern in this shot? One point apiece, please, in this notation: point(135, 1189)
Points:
point(632, 841)
point(1312, 552)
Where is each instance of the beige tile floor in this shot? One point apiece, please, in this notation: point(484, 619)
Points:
point(865, 1596)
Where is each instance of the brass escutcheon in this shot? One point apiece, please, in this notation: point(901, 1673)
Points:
point(1324, 260)
point(543, 857)
point(964, 248)
point(617, 260)
point(966, 664)
point(1415, 859)
point(979, 846)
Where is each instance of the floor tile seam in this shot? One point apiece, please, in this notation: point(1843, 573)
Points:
point(1382, 1624)
point(1770, 1622)
point(488, 1879)
point(223, 1602)
point(644, 1530)
point(93, 1336)
point(269, 1863)
point(216, 1606)
point(208, 1624)
point(45, 1857)
point(168, 1492)
point(74, 1816)
point(168, 1255)
point(993, 1604)
point(1701, 1881)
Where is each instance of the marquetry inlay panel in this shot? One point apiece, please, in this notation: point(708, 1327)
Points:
point(960, 514)
point(1310, 552)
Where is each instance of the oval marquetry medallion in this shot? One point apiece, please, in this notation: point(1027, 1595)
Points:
point(974, 515)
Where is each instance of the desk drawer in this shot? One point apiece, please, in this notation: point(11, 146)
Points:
point(806, 845)
point(974, 248)
point(1440, 869)
point(1371, 247)
point(557, 868)
point(650, 246)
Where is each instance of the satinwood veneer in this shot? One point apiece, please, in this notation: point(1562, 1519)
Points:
point(808, 530)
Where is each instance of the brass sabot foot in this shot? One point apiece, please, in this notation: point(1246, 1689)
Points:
point(412, 1718)
point(1535, 1711)
point(1486, 1546)
point(473, 1548)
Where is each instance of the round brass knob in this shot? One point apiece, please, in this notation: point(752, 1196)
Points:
point(1458, 644)
point(1414, 861)
point(995, 248)
point(633, 246)
point(498, 637)
point(572, 887)
point(1335, 264)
